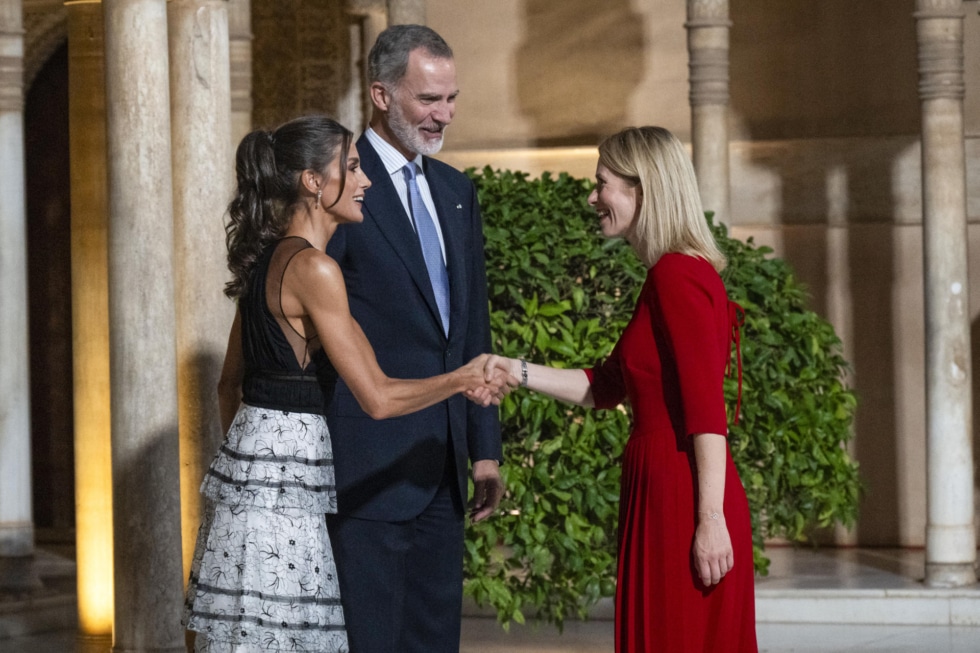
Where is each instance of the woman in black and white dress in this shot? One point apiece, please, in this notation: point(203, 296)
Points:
point(263, 576)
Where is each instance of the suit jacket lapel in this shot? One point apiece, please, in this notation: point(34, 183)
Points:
point(384, 207)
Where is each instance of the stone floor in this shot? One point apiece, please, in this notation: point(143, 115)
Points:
point(813, 601)
point(484, 636)
point(481, 635)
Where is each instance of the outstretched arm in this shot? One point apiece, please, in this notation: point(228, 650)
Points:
point(313, 293)
point(571, 386)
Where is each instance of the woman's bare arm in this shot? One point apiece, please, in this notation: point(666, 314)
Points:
point(569, 385)
point(232, 374)
point(712, 543)
point(313, 285)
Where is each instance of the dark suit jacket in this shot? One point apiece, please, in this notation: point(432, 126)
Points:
point(389, 469)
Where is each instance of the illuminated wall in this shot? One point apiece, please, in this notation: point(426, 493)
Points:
point(90, 319)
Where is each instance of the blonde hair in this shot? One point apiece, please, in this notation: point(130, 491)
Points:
point(670, 218)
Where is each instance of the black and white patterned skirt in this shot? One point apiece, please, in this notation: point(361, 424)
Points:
point(263, 576)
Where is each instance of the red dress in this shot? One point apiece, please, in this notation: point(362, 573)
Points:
point(670, 363)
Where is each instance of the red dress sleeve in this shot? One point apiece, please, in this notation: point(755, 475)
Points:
point(689, 309)
point(606, 380)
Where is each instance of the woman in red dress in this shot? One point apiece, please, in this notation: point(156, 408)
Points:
point(686, 577)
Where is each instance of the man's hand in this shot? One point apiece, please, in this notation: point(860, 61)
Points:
point(496, 387)
point(488, 489)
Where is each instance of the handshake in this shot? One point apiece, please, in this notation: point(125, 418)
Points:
point(488, 378)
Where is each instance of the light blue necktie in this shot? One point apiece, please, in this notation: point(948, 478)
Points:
point(425, 227)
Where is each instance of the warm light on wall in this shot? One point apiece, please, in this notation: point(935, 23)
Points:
point(192, 466)
point(90, 320)
point(93, 451)
point(93, 510)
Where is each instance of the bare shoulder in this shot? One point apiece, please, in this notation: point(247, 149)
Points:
point(312, 268)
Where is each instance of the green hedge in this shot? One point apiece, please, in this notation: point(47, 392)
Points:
point(561, 294)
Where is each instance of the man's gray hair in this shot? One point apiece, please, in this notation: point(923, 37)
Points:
point(388, 59)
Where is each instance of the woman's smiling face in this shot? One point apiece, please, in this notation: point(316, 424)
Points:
point(616, 201)
point(347, 207)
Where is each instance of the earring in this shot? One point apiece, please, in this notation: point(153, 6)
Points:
point(319, 194)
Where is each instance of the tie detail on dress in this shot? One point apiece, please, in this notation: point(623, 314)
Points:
point(425, 227)
point(736, 319)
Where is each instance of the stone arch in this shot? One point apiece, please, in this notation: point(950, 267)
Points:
point(45, 29)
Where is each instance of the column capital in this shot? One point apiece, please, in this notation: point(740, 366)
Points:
point(11, 19)
point(707, 13)
point(364, 7)
point(405, 12)
point(707, 45)
point(11, 83)
point(11, 56)
point(709, 76)
point(239, 20)
point(240, 61)
point(939, 28)
point(939, 9)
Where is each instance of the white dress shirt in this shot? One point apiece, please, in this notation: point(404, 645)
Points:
point(394, 163)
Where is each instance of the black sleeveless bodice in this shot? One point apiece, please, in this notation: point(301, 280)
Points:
point(274, 377)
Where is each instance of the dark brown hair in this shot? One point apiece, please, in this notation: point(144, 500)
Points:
point(268, 165)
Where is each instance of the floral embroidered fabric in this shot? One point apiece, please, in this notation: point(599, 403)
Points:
point(263, 576)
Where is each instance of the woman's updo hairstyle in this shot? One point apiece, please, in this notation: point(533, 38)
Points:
point(268, 166)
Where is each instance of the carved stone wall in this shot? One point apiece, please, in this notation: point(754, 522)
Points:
point(536, 73)
point(301, 60)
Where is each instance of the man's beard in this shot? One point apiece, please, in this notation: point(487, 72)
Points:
point(409, 135)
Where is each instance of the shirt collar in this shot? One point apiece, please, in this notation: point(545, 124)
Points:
point(392, 159)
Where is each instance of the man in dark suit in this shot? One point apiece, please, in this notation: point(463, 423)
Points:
point(416, 280)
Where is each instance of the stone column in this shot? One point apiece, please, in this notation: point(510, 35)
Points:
point(240, 54)
point(203, 180)
point(374, 24)
point(17, 571)
point(707, 43)
point(370, 18)
point(406, 12)
point(90, 318)
point(950, 535)
point(145, 455)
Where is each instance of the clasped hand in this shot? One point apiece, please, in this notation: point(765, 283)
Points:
point(485, 385)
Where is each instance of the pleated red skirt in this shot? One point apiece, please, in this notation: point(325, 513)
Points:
point(661, 605)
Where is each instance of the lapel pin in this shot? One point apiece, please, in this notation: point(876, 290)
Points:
point(459, 206)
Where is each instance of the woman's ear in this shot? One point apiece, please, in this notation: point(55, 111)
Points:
point(312, 181)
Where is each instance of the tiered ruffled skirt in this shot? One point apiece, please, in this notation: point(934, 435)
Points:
point(263, 576)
